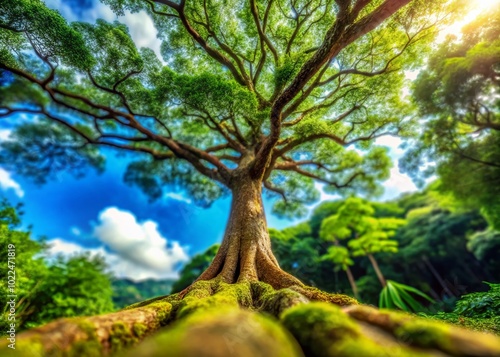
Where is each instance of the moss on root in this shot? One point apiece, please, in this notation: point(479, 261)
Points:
point(427, 333)
point(314, 294)
point(215, 319)
point(226, 331)
point(91, 336)
point(276, 302)
point(206, 295)
point(324, 330)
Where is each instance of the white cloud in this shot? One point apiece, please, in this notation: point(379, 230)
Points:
point(4, 134)
point(140, 24)
point(178, 197)
point(131, 249)
point(138, 243)
point(397, 183)
point(6, 183)
point(142, 30)
point(76, 231)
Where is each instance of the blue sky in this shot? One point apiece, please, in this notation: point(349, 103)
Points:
point(100, 213)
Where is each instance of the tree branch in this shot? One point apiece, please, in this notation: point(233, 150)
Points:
point(341, 34)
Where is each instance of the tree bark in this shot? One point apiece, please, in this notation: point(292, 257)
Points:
point(354, 287)
point(380, 276)
point(245, 253)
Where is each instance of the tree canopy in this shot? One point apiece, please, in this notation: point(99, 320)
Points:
point(289, 90)
point(458, 95)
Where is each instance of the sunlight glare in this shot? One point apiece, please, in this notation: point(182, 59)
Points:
point(477, 7)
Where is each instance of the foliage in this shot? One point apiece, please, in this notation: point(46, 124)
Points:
point(486, 248)
point(367, 235)
point(478, 311)
point(299, 255)
point(483, 304)
point(397, 295)
point(290, 101)
point(458, 96)
point(48, 288)
point(75, 286)
point(30, 268)
point(434, 243)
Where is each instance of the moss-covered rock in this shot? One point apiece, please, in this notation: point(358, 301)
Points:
point(221, 332)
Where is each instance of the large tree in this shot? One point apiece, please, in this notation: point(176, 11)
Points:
point(271, 97)
point(249, 96)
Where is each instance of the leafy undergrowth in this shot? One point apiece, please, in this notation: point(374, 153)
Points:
point(478, 311)
point(490, 325)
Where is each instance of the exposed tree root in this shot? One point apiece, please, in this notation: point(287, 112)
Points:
point(252, 318)
point(91, 336)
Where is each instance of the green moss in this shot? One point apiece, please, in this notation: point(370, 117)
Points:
point(139, 330)
point(164, 311)
point(447, 338)
point(424, 333)
point(87, 327)
point(27, 348)
point(121, 337)
point(198, 299)
point(259, 288)
point(276, 302)
point(324, 330)
point(224, 331)
point(88, 347)
point(85, 348)
point(491, 325)
point(315, 294)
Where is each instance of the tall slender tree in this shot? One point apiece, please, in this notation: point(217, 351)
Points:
point(249, 96)
point(332, 229)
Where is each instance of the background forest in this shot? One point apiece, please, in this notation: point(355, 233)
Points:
point(442, 248)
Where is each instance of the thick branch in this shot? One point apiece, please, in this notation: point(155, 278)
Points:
point(340, 35)
point(181, 150)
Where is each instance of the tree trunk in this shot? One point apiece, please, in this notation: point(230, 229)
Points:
point(438, 277)
point(354, 287)
point(380, 276)
point(245, 253)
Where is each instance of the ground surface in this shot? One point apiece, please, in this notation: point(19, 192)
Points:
point(251, 319)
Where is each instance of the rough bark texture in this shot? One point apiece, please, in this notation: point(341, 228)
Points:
point(216, 319)
point(245, 253)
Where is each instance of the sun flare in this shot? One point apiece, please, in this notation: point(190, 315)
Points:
point(481, 5)
point(477, 7)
